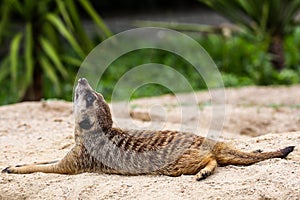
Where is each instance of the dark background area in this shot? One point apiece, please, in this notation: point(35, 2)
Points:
point(121, 15)
point(108, 7)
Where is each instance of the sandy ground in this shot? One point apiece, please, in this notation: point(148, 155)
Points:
point(256, 118)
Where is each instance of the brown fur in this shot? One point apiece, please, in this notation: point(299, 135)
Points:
point(101, 148)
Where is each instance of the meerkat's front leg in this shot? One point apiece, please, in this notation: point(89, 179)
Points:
point(46, 167)
point(68, 165)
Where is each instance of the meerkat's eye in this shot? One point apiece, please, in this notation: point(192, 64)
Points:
point(90, 98)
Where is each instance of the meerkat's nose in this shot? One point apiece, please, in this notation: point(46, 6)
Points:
point(82, 81)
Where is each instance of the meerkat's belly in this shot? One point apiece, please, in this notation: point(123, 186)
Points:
point(189, 163)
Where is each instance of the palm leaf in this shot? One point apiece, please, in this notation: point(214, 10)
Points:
point(16, 5)
point(78, 28)
point(53, 55)
point(259, 16)
point(71, 60)
point(28, 53)
point(4, 69)
point(64, 13)
point(58, 24)
point(289, 10)
point(50, 33)
point(231, 10)
point(14, 57)
point(5, 15)
point(48, 70)
point(97, 19)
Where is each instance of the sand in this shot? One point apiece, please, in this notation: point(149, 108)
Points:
point(266, 118)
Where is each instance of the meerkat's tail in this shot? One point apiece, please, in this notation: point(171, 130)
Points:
point(226, 155)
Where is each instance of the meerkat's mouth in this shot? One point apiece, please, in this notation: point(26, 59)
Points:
point(81, 86)
point(86, 124)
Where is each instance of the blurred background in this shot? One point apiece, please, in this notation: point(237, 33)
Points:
point(43, 43)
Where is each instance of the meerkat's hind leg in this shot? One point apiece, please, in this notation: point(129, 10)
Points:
point(39, 163)
point(207, 170)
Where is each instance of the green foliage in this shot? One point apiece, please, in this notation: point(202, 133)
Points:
point(138, 57)
point(49, 38)
point(236, 56)
point(43, 38)
point(246, 62)
point(292, 45)
point(240, 60)
point(262, 17)
point(267, 20)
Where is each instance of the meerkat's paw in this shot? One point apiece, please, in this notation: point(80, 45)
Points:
point(14, 169)
point(9, 170)
point(203, 174)
point(207, 170)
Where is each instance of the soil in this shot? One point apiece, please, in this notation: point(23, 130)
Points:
point(266, 118)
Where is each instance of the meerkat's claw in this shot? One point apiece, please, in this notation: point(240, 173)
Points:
point(258, 151)
point(6, 170)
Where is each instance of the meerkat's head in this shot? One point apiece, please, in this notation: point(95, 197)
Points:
point(91, 111)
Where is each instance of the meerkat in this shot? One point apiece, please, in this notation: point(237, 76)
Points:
point(101, 148)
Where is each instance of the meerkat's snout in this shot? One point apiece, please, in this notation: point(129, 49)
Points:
point(82, 89)
point(83, 103)
point(78, 90)
point(82, 85)
point(82, 81)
